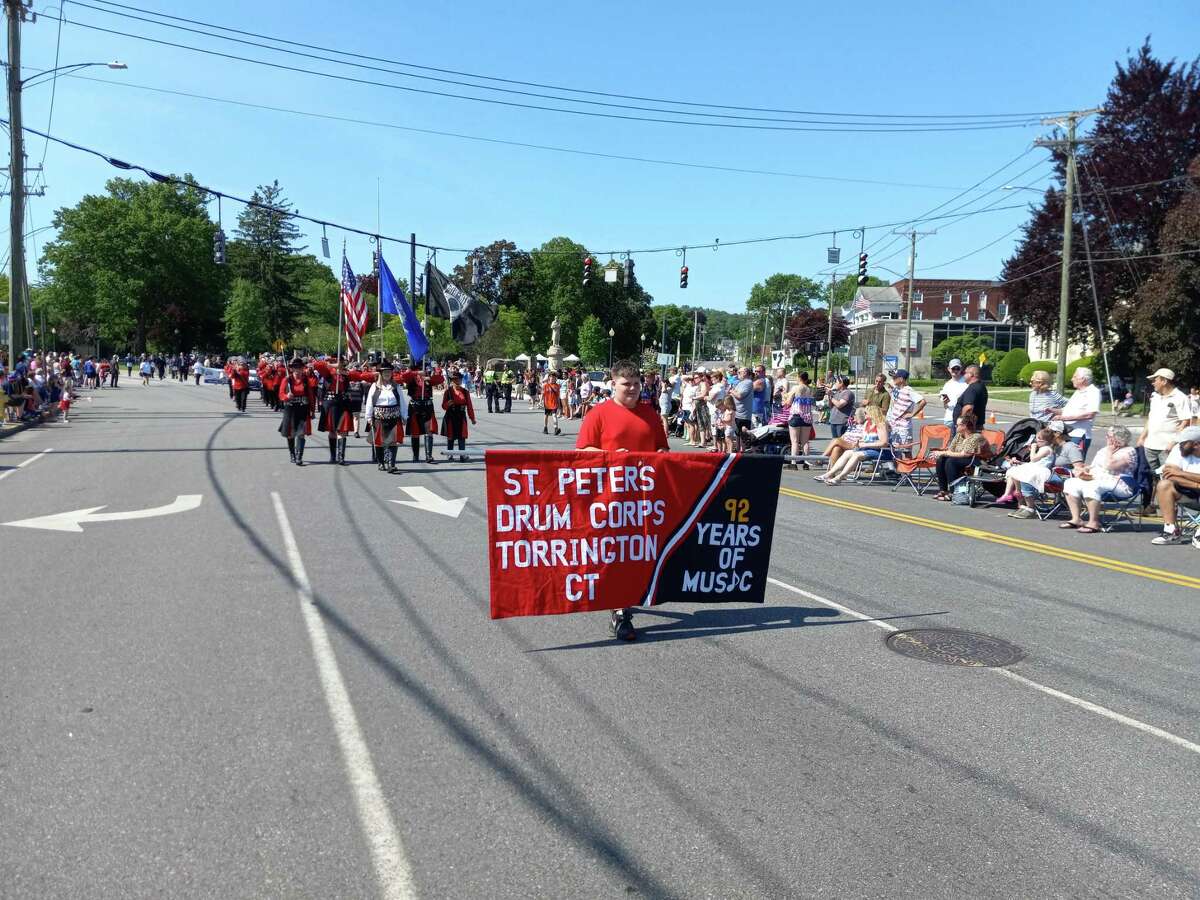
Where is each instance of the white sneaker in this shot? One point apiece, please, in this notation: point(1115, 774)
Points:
point(1170, 537)
point(1196, 540)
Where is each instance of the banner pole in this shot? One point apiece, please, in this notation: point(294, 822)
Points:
point(412, 285)
point(379, 293)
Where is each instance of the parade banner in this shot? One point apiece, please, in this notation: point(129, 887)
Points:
point(579, 531)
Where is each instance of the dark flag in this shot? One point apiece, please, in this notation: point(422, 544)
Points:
point(469, 316)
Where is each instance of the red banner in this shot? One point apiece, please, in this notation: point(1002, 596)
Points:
point(579, 531)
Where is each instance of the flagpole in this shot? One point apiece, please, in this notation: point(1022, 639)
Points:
point(379, 292)
point(412, 283)
point(341, 311)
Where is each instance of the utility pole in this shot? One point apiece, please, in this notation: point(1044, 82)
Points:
point(16, 12)
point(913, 234)
point(1069, 122)
point(829, 339)
point(695, 329)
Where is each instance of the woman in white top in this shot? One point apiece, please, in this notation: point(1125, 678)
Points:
point(1101, 481)
point(717, 391)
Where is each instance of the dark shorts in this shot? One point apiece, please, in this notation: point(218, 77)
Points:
point(741, 423)
point(798, 422)
point(1190, 493)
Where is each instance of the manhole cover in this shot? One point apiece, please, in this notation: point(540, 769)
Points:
point(954, 647)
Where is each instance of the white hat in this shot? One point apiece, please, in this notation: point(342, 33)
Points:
point(1163, 373)
point(954, 364)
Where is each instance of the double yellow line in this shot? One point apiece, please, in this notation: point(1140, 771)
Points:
point(1113, 565)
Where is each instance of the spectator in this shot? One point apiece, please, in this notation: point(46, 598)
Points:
point(906, 403)
point(952, 462)
point(846, 441)
point(879, 395)
point(973, 400)
point(1194, 400)
point(873, 445)
point(763, 389)
point(951, 391)
point(1044, 401)
point(1080, 411)
point(1100, 481)
point(1170, 412)
point(781, 386)
point(1180, 481)
point(687, 404)
point(799, 404)
point(1125, 407)
point(1025, 481)
point(724, 434)
point(841, 405)
point(718, 392)
point(700, 411)
point(743, 399)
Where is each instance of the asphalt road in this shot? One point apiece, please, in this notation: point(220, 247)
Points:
point(195, 705)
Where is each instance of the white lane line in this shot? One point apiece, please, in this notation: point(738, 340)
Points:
point(387, 853)
point(22, 465)
point(1088, 705)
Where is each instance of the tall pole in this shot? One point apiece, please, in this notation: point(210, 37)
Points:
point(695, 326)
point(15, 12)
point(913, 234)
point(1064, 285)
point(412, 283)
point(829, 339)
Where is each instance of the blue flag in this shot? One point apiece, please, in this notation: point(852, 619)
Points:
point(392, 300)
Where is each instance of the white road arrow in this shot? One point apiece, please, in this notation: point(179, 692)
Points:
point(74, 520)
point(423, 498)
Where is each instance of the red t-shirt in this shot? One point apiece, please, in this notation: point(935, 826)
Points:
point(610, 426)
point(550, 396)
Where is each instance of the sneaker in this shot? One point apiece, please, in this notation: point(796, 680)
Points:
point(545, 430)
point(557, 430)
point(1170, 537)
point(1023, 513)
point(621, 625)
point(1196, 540)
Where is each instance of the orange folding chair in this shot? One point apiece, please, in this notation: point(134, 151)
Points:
point(933, 437)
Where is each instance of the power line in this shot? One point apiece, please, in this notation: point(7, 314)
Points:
point(716, 244)
point(973, 252)
point(470, 137)
point(557, 109)
point(53, 94)
point(425, 68)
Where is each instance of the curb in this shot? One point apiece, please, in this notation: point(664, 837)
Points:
point(6, 430)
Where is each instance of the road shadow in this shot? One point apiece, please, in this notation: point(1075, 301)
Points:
point(708, 623)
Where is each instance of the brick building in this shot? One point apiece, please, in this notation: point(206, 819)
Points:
point(955, 299)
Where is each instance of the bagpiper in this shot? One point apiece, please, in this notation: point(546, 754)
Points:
point(386, 411)
point(337, 413)
point(297, 398)
point(421, 419)
point(457, 408)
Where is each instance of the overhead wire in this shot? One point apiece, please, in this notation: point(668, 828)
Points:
point(471, 137)
point(53, 93)
point(826, 127)
point(743, 108)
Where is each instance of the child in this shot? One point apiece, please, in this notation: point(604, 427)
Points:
point(726, 425)
point(550, 400)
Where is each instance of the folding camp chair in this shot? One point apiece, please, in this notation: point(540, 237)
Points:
point(933, 437)
point(1051, 502)
point(1113, 510)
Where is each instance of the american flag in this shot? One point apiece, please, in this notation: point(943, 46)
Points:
point(861, 302)
point(354, 308)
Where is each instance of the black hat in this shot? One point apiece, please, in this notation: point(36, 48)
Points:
point(296, 363)
point(385, 365)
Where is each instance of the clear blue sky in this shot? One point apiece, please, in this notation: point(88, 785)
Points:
point(867, 57)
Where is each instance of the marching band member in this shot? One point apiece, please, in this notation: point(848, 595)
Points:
point(421, 420)
point(297, 397)
point(239, 381)
point(386, 410)
point(337, 414)
point(456, 403)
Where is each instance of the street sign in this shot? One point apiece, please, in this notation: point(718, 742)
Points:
point(666, 359)
point(871, 348)
point(891, 363)
point(833, 255)
point(279, 345)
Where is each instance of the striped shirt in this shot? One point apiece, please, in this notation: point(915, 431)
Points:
point(1043, 403)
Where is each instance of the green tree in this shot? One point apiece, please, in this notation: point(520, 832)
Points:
point(966, 347)
point(133, 265)
point(593, 342)
point(245, 319)
point(264, 254)
point(1008, 370)
point(796, 291)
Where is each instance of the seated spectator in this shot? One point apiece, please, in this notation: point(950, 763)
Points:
point(1125, 407)
point(847, 441)
point(953, 462)
point(1180, 480)
point(1044, 401)
point(873, 445)
point(1101, 481)
point(1025, 481)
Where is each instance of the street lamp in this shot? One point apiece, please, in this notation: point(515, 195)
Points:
point(306, 340)
point(115, 64)
point(610, 337)
point(54, 339)
point(642, 350)
point(35, 337)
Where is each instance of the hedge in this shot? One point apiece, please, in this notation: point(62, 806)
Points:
point(1049, 366)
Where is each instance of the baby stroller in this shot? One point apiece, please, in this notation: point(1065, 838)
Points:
point(772, 438)
point(1018, 438)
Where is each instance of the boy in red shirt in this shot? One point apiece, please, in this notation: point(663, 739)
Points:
point(550, 403)
point(624, 424)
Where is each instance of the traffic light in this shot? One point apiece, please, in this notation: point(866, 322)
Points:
point(629, 272)
point(862, 269)
point(587, 271)
point(219, 247)
point(683, 276)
